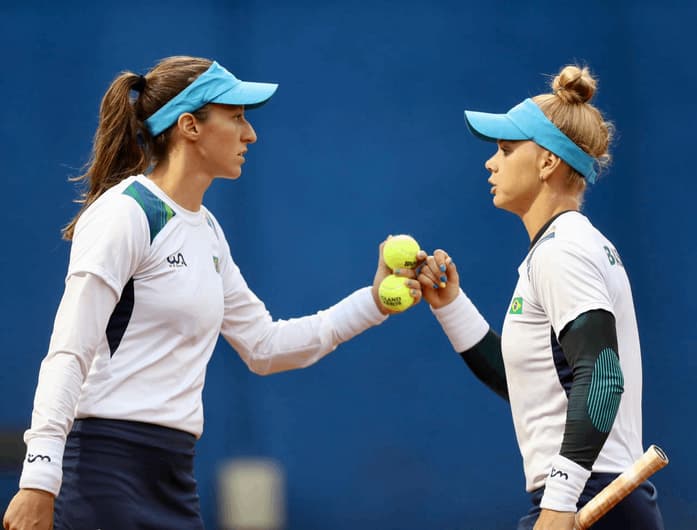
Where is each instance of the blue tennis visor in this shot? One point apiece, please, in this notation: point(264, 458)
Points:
point(215, 85)
point(526, 121)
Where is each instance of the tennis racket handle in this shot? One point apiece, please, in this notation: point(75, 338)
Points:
point(651, 461)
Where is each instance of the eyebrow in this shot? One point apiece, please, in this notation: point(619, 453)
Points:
point(511, 143)
point(229, 108)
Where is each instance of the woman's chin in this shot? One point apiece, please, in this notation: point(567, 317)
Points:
point(502, 204)
point(230, 176)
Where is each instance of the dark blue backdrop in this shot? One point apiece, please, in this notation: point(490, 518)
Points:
point(364, 138)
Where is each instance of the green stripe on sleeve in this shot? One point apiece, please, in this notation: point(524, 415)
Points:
point(605, 392)
point(158, 212)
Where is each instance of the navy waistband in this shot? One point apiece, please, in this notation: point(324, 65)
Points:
point(137, 432)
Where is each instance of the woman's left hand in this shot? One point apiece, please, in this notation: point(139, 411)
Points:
point(551, 520)
point(383, 271)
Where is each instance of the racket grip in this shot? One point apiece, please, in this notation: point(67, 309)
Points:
point(646, 465)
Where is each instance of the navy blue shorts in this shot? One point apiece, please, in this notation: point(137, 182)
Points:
point(638, 511)
point(120, 475)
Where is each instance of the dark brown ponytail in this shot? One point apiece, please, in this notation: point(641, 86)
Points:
point(122, 144)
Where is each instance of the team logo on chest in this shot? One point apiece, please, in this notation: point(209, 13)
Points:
point(176, 260)
point(516, 306)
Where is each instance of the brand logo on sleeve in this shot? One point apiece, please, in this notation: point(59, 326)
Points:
point(558, 473)
point(216, 264)
point(516, 306)
point(33, 458)
point(176, 260)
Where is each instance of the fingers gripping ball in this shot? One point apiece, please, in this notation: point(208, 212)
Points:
point(394, 294)
point(400, 252)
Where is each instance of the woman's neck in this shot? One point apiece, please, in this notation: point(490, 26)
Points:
point(544, 208)
point(182, 184)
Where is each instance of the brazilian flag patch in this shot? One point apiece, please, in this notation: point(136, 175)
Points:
point(516, 306)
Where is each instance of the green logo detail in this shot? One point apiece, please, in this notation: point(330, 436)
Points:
point(516, 306)
point(216, 264)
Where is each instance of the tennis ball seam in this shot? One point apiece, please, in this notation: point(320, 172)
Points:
point(400, 252)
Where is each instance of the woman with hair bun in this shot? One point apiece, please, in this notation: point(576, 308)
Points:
point(568, 358)
point(151, 284)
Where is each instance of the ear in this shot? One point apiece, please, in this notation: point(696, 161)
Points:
point(188, 128)
point(548, 164)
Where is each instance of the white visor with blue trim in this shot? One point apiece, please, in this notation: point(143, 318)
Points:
point(526, 121)
point(215, 85)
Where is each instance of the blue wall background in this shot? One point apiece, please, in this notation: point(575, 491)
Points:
point(364, 138)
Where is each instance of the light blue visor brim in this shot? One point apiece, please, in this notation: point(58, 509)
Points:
point(493, 127)
point(247, 93)
point(526, 121)
point(215, 85)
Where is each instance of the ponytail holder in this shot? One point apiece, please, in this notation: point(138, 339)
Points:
point(139, 85)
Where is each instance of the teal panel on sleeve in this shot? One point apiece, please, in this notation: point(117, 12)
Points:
point(605, 392)
point(157, 211)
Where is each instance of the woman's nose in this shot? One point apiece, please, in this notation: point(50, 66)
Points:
point(249, 136)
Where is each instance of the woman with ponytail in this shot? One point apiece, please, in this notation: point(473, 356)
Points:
point(568, 359)
point(150, 286)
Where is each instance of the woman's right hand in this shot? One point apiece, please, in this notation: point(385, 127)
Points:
point(383, 271)
point(29, 509)
point(437, 274)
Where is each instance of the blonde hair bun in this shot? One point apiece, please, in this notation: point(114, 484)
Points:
point(574, 84)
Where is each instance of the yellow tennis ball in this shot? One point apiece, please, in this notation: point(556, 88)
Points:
point(394, 293)
point(400, 252)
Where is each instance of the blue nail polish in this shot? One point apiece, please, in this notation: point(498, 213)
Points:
point(444, 278)
point(435, 286)
point(396, 271)
point(442, 267)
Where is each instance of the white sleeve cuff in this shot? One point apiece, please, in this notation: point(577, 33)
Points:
point(354, 314)
point(564, 485)
point(43, 465)
point(462, 322)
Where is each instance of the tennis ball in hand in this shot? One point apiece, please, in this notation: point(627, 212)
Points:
point(400, 252)
point(394, 293)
